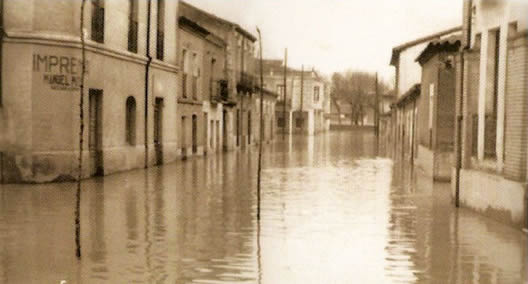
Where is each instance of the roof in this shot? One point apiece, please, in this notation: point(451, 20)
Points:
point(450, 44)
point(276, 65)
point(410, 95)
point(186, 23)
point(237, 27)
point(398, 49)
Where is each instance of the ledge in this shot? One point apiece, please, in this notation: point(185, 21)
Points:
point(68, 41)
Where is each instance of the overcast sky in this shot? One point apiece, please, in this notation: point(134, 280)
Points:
point(335, 35)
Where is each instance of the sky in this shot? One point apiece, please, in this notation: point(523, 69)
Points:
point(338, 35)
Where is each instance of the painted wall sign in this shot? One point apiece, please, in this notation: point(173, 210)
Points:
point(59, 72)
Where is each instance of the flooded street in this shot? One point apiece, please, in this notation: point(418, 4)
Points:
point(331, 213)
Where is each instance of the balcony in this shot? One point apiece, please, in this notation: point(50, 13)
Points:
point(246, 83)
point(219, 91)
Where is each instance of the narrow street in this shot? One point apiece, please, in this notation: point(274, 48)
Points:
point(330, 215)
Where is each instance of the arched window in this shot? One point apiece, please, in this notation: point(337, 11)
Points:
point(130, 120)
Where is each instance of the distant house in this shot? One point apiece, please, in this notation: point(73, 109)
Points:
point(436, 108)
point(305, 109)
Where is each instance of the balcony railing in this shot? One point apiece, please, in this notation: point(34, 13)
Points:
point(219, 91)
point(98, 24)
point(246, 83)
point(160, 44)
point(132, 36)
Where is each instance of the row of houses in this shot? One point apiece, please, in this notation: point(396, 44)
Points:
point(461, 109)
point(164, 81)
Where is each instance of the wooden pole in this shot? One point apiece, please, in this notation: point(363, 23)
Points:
point(81, 135)
point(377, 116)
point(259, 175)
point(302, 87)
point(285, 92)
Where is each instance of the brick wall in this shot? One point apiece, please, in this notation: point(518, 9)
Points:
point(517, 110)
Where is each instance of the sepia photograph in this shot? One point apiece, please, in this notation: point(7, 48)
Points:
point(263, 142)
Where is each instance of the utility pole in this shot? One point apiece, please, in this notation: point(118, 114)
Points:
point(302, 87)
point(377, 116)
point(284, 97)
point(81, 140)
point(259, 176)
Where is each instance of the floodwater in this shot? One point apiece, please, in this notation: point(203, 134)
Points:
point(331, 213)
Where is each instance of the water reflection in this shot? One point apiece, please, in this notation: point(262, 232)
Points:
point(332, 213)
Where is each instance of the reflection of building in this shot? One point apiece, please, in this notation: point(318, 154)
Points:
point(492, 153)
point(436, 110)
point(307, 103)
point(39, 100)
point(405, 109)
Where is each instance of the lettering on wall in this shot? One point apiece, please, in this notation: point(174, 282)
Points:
point(59, 72)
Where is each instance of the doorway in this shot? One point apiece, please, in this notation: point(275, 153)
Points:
point(95, 133)
point(158, 130)
point(194, 134)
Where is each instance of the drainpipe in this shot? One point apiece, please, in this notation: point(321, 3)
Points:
point(1, 99)
point(459, 113)
point(2, 31)
point(147, 71)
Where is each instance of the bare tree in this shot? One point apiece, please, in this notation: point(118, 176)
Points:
point(356, 89)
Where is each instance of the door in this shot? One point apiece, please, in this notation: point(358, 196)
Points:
point(95, 140)
point(194, 134)
point(158, 130)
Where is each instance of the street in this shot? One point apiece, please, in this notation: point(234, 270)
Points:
point(331, 213)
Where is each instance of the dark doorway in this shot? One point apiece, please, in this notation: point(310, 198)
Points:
point(249, 127)
point(95, 132)
point(194, 133)
point(158, 130)
point(224, 129)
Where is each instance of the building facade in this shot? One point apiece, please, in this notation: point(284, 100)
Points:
point(490, 171)
point(238, 67)
point(129, 98)
point(405, 130)
point(306, 108)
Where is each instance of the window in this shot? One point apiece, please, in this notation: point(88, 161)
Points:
point(280, 91)
point(194, 87)
point(492, 90)
point(431, 112)
point(130, 120)
point(280, 122)
point(316, 94)
point(299, 123)
point(98, 20)
point(132, 26)
point(160, 35)
point(211, 79)
point(184, 73)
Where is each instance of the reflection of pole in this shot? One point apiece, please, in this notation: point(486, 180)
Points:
point(81, 133)
point(284, 98)
point(260, 160)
